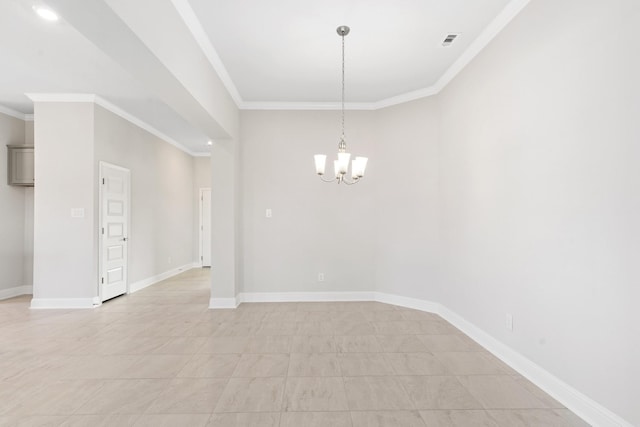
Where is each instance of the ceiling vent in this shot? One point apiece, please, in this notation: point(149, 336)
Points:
point(449, 39)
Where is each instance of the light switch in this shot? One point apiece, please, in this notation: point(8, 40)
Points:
point(508, 322)
point(268, 213)
point(77, 212)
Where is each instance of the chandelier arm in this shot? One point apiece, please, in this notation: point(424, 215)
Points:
point(328, 180)
point(351, 183)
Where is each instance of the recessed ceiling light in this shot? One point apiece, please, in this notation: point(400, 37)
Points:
point(209, 142)
point(45, 13)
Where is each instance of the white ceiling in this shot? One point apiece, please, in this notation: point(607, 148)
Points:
point(289, 51)
point(268, 53)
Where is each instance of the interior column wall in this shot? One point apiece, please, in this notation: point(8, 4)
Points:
point(224, 217)
point(65, 262)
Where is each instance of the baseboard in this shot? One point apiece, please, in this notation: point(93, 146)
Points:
point(217, 303)
point(414, 303)
point(304, 296)
point(583, 406)
point(145, 283)
point(57, 303)
point(15, 292)
point(224, 303)
point(53, 303)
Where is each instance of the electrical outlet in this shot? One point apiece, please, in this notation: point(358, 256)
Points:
point(508, 322)
point(268, 213)
point(320, 277)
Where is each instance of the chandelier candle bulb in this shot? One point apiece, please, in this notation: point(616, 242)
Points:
point(336, 168)
point(320, 159)
point(343, 162)
point(359, 164)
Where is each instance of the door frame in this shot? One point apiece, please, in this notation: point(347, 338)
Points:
point(99, 229)
point(201, 224)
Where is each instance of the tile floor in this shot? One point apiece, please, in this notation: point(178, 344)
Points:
point(159, 357)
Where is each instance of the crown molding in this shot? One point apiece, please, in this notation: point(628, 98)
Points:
point(405, 97)
point(14, 113)
point(200, 35)
point(97, 100)
point(61, 97)
point(510, 11)
point(251, 105)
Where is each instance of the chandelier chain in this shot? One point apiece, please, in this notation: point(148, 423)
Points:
point(343, 85)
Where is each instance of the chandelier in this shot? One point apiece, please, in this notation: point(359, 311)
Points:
point(341, 165)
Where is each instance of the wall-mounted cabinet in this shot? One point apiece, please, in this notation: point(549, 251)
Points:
point(20, 165)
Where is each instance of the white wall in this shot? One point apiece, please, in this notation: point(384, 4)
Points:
point(225, 221)
point(12, 210)
point(540, 142)
point(201, 172)
point(27, 250)
point(162, 195)
point(405, 173)
point(65, 265)
point(380, 234)
point(28, 218)
point(316, 227)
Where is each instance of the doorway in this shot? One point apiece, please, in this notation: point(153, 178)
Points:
point(114, 211)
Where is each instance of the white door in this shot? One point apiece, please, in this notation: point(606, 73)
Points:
point(114, 233)
point(205, 227)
